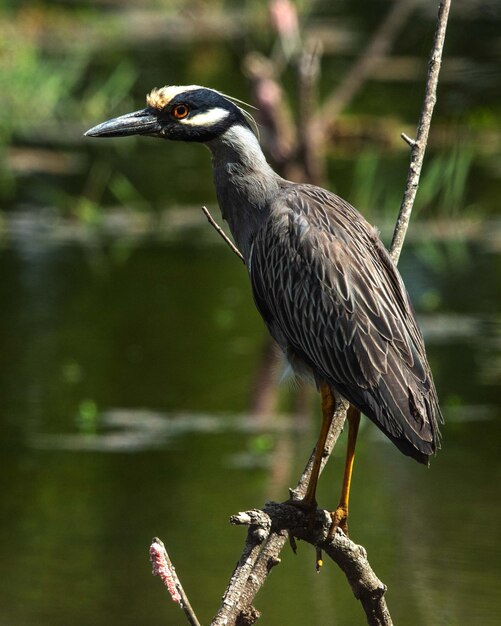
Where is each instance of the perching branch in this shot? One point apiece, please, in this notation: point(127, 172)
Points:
point(351, 558)
point(261, 552)
point(269, 530)
point(419, 145)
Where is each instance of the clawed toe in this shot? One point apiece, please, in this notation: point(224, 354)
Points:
point(309, 507)
point(303, 504)
point(339, 519)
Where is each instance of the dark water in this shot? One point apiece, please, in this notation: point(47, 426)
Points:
point(127, 362)
point(125, 381)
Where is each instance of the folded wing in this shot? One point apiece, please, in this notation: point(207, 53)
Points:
point(333, 299)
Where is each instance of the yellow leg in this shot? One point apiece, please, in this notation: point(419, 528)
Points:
point(340, 515)
point(328, 406)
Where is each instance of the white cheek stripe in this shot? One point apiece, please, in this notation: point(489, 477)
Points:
point(206, 119)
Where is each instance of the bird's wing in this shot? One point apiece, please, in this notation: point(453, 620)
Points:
point(323, 281)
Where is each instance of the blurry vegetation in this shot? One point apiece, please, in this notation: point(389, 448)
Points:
point(65, 66)
point(442, 188)
point(44, 82)
point(87, 417)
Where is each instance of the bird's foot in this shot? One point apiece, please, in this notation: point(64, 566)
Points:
point(303, 504)
point(339, 519)
point(308, 506)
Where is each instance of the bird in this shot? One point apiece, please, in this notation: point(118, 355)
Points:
point(321, 278)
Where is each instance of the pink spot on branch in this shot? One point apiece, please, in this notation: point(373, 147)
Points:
point(163, 568)
point(269, 94)
point(283, 16)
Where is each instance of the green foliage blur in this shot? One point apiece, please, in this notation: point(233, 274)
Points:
point(66, 66)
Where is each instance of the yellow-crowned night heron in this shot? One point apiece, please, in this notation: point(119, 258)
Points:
point(321, 278)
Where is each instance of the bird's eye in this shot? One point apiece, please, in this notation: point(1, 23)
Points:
point(180, 111)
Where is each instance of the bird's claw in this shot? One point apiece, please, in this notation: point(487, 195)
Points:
point(309, 507)
point(303, 504)
point(339, 519)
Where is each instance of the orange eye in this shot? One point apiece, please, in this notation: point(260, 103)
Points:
point(180, 111)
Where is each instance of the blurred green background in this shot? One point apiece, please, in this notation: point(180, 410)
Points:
point(130, 344)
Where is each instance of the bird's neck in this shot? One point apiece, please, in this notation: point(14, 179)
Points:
point(245, 183)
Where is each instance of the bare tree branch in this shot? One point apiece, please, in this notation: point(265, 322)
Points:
point(419, 147)
point(350, 557)
point(408, 140)
point(261, 554)
point(221, 232)
point(163, 568)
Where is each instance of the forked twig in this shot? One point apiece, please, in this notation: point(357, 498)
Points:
point(277, 538)
point(350, 557)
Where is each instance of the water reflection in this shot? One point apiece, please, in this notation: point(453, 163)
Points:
point(168, 333)
point(132, 430)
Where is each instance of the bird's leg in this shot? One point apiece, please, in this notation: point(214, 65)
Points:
point(328, 406)
point(340, 515)
point(309, 501)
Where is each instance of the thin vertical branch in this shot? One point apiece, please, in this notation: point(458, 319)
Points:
point(419, 146)
point(222, 234)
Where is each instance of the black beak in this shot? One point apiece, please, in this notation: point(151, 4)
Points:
point(143, 122)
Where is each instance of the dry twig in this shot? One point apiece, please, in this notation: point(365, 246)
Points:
point(419, 145)
point(163, 568)
point(261, 553)
point(351, 558)
point(221, 232)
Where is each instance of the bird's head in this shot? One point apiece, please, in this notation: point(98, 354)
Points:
point(190, 113)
